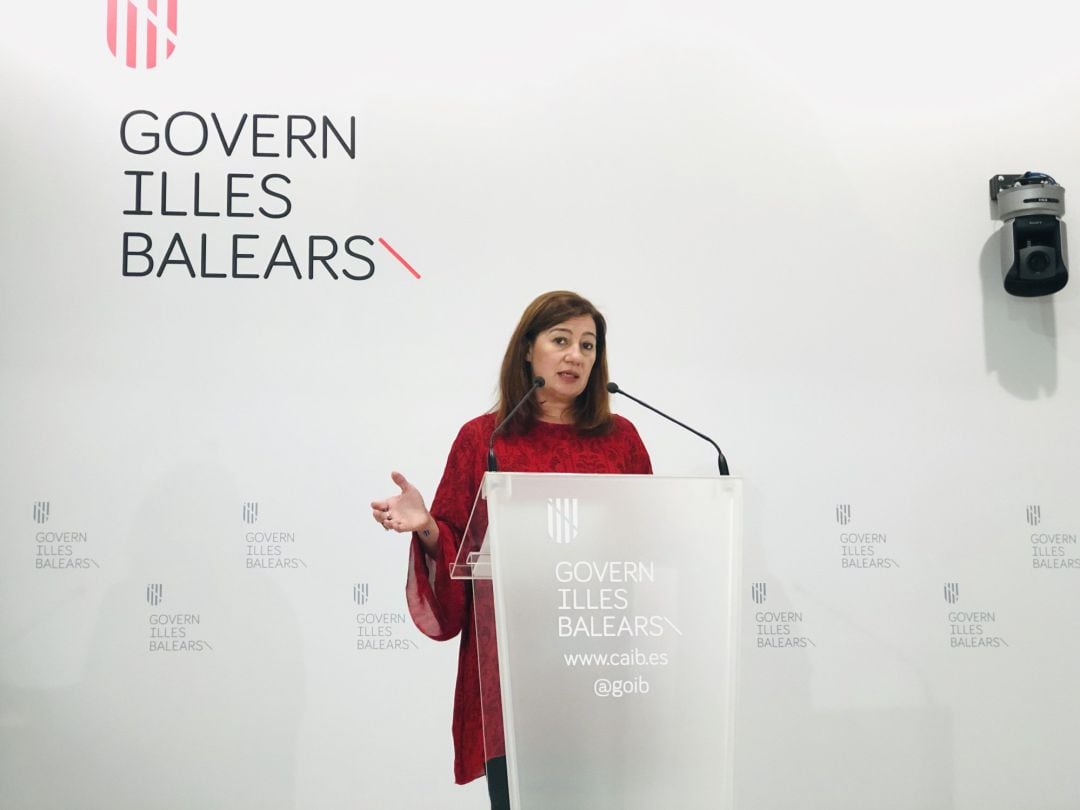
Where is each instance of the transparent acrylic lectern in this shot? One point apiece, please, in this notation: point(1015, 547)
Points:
point(605, 610)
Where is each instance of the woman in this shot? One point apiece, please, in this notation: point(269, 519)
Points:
point(566, 426)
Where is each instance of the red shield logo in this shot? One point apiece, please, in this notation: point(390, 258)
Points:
point(141, 33)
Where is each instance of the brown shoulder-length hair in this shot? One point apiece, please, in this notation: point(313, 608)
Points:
point(592, 408)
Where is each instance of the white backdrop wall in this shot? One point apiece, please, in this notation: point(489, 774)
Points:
point(783, 212)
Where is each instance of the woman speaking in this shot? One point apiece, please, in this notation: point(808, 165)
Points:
point(565, 426)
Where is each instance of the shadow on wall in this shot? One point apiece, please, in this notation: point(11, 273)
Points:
point(1020, 334)
point(191, 696)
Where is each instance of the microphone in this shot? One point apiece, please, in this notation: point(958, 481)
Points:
point(538, 382)
point(721, 462)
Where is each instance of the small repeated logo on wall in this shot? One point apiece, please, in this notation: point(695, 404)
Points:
point(41, 511)
point(61, 548)
point(970, 629)
point(778, 629)
point(562, 518)
point(862, 550)
point(270, 547)
point(1051, 548)
point(379, 630)
point(140, 33)
point(173, 632)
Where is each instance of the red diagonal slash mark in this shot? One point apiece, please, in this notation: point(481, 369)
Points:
point(398, 256)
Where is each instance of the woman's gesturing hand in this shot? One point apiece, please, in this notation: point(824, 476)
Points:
point(406, 512)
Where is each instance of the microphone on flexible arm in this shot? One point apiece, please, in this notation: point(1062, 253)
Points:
point(721, 462)
point(538, 382)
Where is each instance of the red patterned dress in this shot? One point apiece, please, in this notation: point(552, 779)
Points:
point(442, 607)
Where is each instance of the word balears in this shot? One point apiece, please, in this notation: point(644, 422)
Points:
point(322, 255)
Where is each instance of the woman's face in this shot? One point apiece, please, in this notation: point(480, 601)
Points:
point(564, 356)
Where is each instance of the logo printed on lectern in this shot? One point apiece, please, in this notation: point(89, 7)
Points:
point(758, 592)
point(153, 594)
point(843, 513)
point(562, 519)
point(41, 511)
point(251, 511)
point(952, 592)
point(140, 33)
point(360, 593)
point(1034, 515)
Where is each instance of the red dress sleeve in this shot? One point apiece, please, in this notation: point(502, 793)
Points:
point(437, 603)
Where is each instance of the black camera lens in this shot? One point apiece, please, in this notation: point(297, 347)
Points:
point(1038, 262)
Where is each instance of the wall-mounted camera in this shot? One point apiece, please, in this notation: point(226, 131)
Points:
point(1033, 240)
